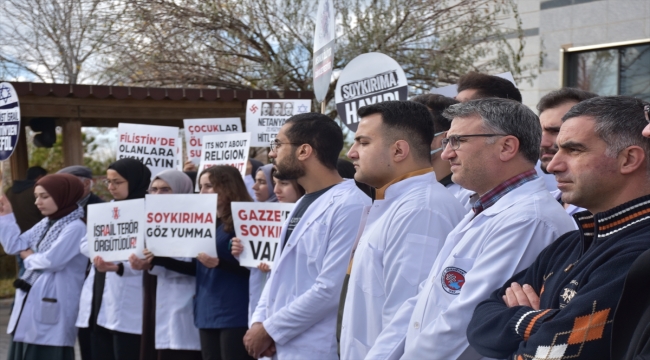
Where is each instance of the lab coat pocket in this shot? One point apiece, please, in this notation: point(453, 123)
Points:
point(48, 311)
point(371, 272)
point(417, 256)
point(311, 240)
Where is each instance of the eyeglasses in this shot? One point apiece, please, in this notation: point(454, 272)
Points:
point(646, 110)
point(434, 151)
point(275, 144)
point(160, 190)
point(455, 140)
point(115, 183)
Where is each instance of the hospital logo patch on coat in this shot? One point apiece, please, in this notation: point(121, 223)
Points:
point(453, 279)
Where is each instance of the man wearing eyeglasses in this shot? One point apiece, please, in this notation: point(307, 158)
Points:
point(296, 314)
point(492, 146)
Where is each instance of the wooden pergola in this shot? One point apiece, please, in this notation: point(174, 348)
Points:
point(75, 106)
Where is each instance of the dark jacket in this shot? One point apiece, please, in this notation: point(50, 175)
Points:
point(21, 197)
point(221, 299)
point(631, 332)
point(579, 278)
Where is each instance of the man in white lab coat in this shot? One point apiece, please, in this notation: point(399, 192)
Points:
point(406, 225)
point(296, 314)
point(492, 146)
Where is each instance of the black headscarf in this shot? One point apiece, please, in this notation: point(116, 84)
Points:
point(136, 173)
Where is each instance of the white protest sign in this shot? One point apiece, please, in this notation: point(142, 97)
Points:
point(226, 149)
point(9, 120)
point(264, 118)
point(258, 226)
point(324, 41)
point(115, 229)
point(452, 90)
point(154, 146)
point(196, 129)
point(181, 225)
point(368, 79)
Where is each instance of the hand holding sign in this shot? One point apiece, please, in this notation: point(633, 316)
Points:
point(208, 261)
point(258, 227)
point(5, 206)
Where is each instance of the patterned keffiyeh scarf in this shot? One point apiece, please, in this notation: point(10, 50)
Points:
point(44, 235)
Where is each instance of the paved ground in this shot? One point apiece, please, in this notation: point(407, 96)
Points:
point(5, 311)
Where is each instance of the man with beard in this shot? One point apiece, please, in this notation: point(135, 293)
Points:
point(552, 107)
point(296, 314)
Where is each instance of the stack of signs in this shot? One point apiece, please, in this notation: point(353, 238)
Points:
point(258, 226)
point(115, 230)
point(181, 225)
point(324, 40)
point(154, 146)
point(196, 129)
point(9, 120)
point(264, 118)
point(452, 90)
point(368, 79)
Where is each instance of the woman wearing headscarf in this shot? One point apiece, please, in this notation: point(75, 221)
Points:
point(47, 294)
point(221, 301)
point(111, 301)
point(169, 313)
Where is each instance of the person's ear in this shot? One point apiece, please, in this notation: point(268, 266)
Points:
point(509, 147)
point(631, 159)
point(304, 151)
point(400, 151)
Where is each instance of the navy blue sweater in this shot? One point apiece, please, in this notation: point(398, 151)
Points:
point(221, 299)
point(580, 278)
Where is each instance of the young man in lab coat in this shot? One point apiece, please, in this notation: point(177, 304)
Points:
point(296, 314)
point(406, 225)
point(492, 146)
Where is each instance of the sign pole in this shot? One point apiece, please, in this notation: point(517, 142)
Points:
point(322, 107)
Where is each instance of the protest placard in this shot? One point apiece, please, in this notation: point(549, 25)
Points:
point(181, 225)
point(196, 129)
point(264, 118)
point(9, 120)
point(154, 146)
point(258, 226)
point(452, 90)
point(179, 154)
point(115, 229)
point(368, 79)
point(324, 41)
point(226, 149)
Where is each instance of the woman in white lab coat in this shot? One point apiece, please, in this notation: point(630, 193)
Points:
point(47, 294)
point(114, 311)
point(176, 337)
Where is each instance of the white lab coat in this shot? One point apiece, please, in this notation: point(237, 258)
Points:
point(121, 308)
point(401, 239)
point(63, 267)
point(175, 310)
point(463, 195)
point(486, 250)
point(256, 282)
point(299, 304)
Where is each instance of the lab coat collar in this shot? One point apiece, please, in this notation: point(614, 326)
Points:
point(381, 192)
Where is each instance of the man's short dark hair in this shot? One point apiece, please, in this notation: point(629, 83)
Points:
point(562, 96)
point(619, 121)
point(405, 120)
point(489, 86)
point(436, 104)
point(320, 132)
point(35, 172)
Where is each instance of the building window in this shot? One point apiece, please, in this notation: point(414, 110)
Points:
point(614, 70)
